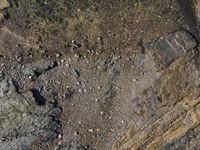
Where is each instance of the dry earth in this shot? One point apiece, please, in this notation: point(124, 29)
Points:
point(99, 75)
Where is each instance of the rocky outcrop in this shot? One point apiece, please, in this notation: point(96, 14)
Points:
point(23, 120)
point(167, 113)
point(169, 47)
point(35, 69)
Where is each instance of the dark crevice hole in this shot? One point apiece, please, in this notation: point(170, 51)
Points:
point(40, 100)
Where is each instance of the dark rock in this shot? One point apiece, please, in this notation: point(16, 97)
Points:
point(23, 121)
point(166, 112)
point(168, 47)
point(1, 75)
point(6, 87)
point(187, 141)
point(37, 68)
point(68, 93)
point(40, 100)
point(76, 73)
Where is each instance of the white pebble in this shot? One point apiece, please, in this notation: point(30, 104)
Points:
point(80, 90)
point(67, 65)
point(90, 130)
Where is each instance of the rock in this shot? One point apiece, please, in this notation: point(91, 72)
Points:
point(75, 44)
point(76, 73)
point(74, 145)
point(4, 4)
point(37, 68)
point(1, 75)
point(168, 47)
point(68, 93)
point(167, 112)
point(23, 122)
point(186, 142)
point(6, 87)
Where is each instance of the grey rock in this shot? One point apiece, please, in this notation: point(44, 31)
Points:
point(76, 73)
point(68, 93)
point(186, 142)
point(37, 68)
point(23, 121)
point(1, 75)
point(168, 47)
point(6, 87)
point(74, 145)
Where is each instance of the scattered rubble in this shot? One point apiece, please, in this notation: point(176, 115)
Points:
point(101, 67)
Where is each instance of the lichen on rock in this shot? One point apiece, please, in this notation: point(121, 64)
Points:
point(4, 4)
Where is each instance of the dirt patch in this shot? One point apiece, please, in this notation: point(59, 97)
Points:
point(90, 58)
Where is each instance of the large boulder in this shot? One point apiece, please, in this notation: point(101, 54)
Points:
point(170, 46)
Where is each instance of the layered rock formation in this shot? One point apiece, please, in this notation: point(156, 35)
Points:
point(168, 115)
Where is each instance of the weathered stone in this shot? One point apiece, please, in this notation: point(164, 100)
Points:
point(168, 47)
point(23, 121)
point(167, 112)
point(39, 67)
point(4, 4)
point(6, 87)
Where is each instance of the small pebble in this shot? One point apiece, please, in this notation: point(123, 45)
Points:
point(76, 73)
point(68, 93)
point(57, 55)
point(80, 90)
point(76, 55)
point(134, 80)
point(90, 130)
point(59, 136)
point(98, 129)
